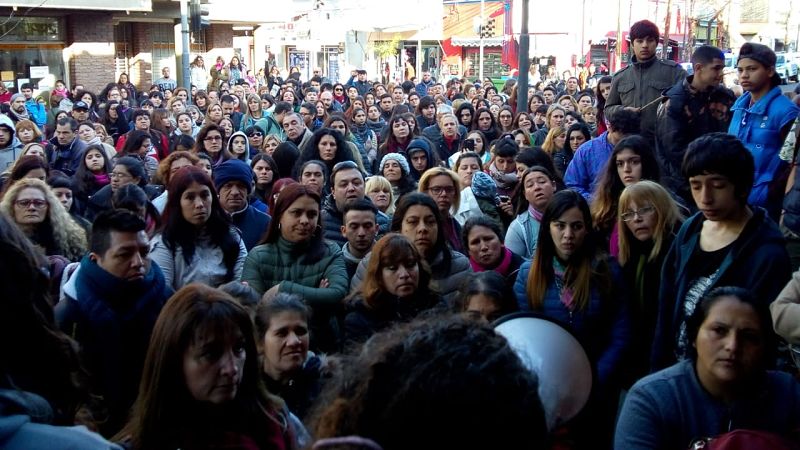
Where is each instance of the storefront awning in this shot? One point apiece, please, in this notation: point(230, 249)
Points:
point(476, 42)
point(98, 5)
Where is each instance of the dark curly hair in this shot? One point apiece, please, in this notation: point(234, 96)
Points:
point(437, 377)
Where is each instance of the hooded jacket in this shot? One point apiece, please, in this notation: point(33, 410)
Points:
point(246, 146)
point(112, 319)
point(757, 260)
point(9, 153)
point(584, 170)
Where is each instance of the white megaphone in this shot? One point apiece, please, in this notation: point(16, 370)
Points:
point(557, 358)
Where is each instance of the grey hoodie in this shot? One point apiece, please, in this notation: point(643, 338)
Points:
point(246, 143)
point(9, 153)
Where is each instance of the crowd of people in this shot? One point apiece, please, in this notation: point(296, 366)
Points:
point(262, 262)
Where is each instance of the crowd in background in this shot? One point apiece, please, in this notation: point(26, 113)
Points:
point(260, 261)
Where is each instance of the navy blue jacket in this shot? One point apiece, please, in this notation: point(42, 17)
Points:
point(252, 224)
point(757, 261)
point(112, 320)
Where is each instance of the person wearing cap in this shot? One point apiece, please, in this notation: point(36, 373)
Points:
point(234, 182)
point(687, 115)
point(10, 146)
point(762, 117)
point(644, 79)
point(347, 187)
point(80, 111)
point(361, 84)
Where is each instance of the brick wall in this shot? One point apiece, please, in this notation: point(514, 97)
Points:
point(141, 63)
point(219, 37)
point(90, 44)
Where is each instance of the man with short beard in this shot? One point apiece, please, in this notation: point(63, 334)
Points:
point(18, 110)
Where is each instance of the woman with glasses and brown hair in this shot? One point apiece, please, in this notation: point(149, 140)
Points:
point(32, 205)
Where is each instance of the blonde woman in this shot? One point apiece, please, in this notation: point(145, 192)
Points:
point(271, 142)
point(647, 219)
point(555, 140)
point(32, 205)
point(379, 190)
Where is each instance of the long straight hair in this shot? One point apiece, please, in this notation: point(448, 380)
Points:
point(287, 196)
point(610, 186)
point(165, 412)
point(583, 269)
point(177, 232)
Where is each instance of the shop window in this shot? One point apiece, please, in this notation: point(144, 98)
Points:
point(163, 49)
point(31, 29)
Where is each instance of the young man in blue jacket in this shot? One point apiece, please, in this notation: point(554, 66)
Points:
point(727, 243)
point(762, 117)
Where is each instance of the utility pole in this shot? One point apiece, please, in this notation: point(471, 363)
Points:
point(524, 61)
point(187, 79)
point(480, 54)
point(667, 20)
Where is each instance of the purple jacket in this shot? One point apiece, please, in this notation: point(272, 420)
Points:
point(588, 163)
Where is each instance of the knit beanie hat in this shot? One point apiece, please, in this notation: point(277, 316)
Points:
point(233, 170)
point(16, 96)
point(400, 160)
point(483, 186)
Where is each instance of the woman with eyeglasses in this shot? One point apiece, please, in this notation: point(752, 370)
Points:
point(631, 160)
point(647, 220)
point(32, 205)
point(210, 140)
point(126, 170)
point(444, 187)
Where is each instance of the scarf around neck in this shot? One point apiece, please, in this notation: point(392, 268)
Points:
point(503, 268)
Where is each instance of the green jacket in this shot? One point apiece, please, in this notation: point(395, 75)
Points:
point(283, 263)
point(640, 83)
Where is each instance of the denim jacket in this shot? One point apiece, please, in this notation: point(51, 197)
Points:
point(759, 128)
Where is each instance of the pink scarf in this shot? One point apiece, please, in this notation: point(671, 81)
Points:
point(502, 268)
point(102, 179)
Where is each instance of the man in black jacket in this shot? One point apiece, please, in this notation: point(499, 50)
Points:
point(687, 115)
point(347, 186)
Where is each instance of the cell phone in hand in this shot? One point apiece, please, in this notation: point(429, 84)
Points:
point(469, 145)
point(505, 199)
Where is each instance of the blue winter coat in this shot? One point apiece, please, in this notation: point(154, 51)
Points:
point(583, 172)
point(604, 328)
